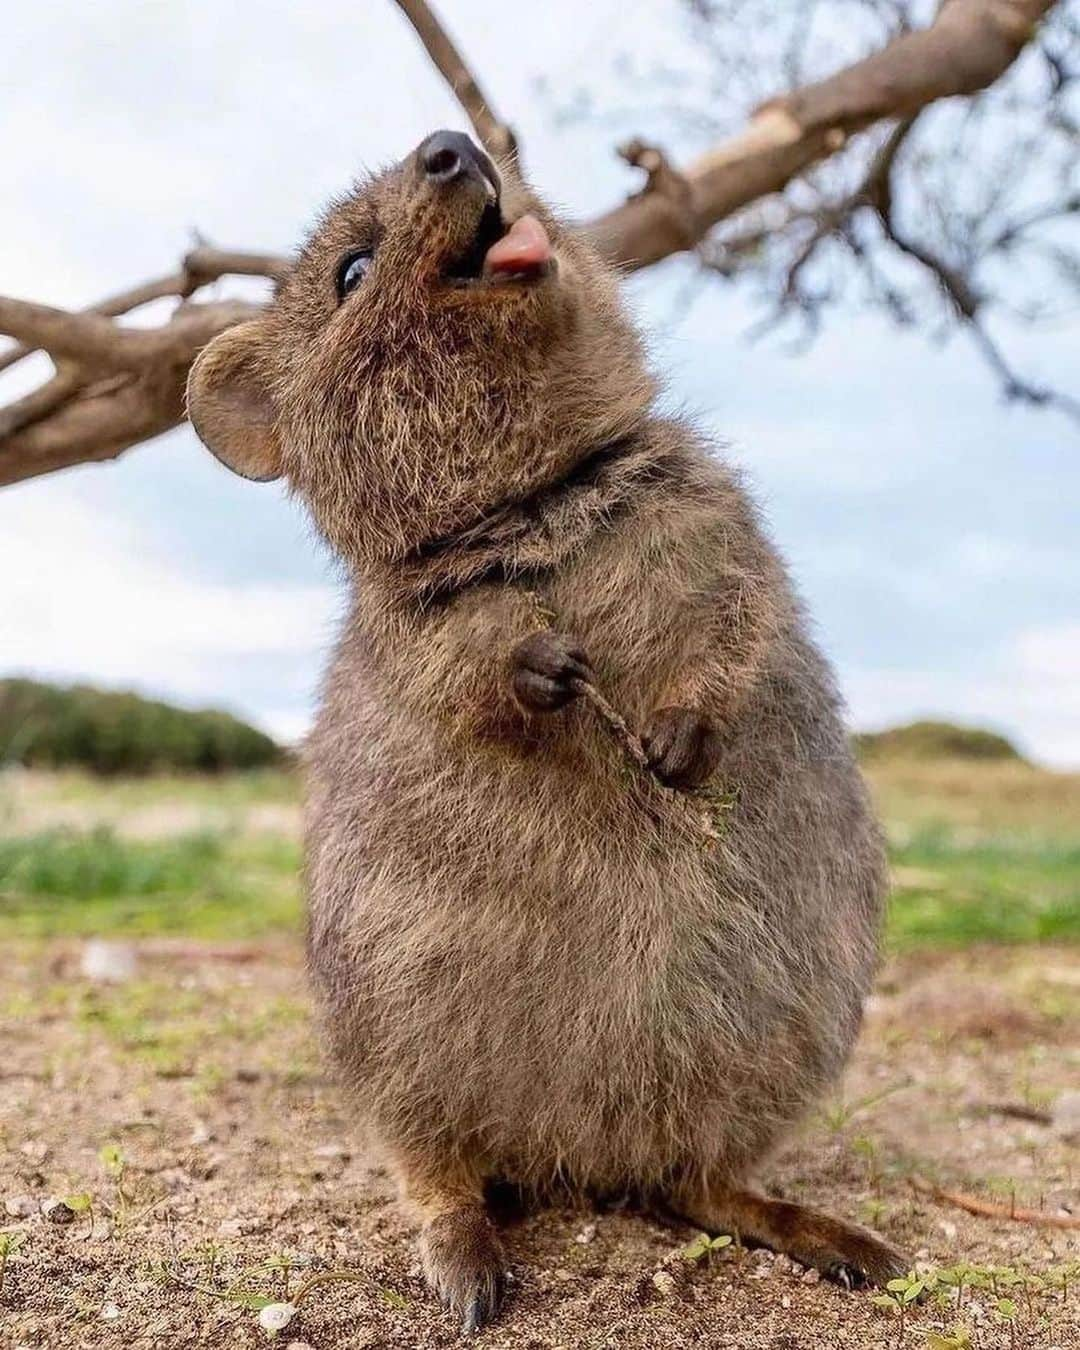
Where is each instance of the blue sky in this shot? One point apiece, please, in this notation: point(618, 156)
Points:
point(932, 529)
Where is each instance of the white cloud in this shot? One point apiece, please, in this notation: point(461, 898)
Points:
point(92, 604)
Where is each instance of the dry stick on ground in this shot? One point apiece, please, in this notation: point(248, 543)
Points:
point(1018, 1111)
point(80, 416)
point(990, 1209)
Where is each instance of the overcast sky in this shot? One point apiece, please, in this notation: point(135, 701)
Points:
point(932, 529)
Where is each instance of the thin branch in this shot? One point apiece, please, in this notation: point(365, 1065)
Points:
point(42, 401)
point(75, 418)
point(115, 305)
point(205, 264)
point(495, 135)
point(200, 267)
point(89, 338)
point(968, 303)
point(969, 45)
point(100, 344)
point(990, 1209)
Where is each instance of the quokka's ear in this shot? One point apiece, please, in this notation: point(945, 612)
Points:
point(229, 403)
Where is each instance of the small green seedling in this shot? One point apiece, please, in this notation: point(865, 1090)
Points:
point(957, 1339)
point(112, 1159)
point(9, 1242)
point(703, 1246)
point(274, 1314)
point(82, 1203)
point(867, 1149)
point(898, 1297)
point(1005, 1310)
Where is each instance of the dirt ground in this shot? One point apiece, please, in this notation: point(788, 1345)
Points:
point(189, 1104)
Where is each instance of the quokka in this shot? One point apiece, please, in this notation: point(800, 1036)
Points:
point(529, 966)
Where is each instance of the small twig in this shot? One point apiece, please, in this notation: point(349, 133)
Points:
point(615, 723)
point(1017, 1111)
point(697, 812)
point(495, 134)
point(990, 1209)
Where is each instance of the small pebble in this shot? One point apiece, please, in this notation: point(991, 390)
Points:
point(276, 1316)
point(812, 1277)
point(201, 1134)
point(665, 1283)
point(108, 962)
point(20, 1206)
point(56, 1211)
point(109, 1312)
point(586, 1235)
point(332, 1151)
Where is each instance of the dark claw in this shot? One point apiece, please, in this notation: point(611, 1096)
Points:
point(847, 1276)
point(464, 1264)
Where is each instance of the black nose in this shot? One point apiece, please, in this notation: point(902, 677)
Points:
point(448, 155)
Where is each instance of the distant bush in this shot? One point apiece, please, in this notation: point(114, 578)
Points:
point(48, 726)
point(935, 740)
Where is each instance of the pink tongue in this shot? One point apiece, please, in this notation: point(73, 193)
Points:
point(525, 247)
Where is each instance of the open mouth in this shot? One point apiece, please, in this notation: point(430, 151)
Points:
point(501, 254)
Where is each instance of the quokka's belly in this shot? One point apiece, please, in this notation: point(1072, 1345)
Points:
point(539, 963)
point(599, 1024)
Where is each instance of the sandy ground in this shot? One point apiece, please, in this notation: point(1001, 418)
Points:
point(233, 1155)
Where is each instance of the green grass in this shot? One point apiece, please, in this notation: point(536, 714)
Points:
point(77, 883)
point(951, 891)
point(980, 853)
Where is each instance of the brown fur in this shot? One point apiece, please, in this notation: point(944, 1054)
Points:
point(529, 968)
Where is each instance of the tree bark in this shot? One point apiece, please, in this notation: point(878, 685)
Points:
point(968, 47)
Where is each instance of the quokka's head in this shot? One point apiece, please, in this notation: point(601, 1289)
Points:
point(442, 346)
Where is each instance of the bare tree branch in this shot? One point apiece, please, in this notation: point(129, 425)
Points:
point(495, 135)
point(116, 385)
point(970, 44)
point(200, 267)
point(77, 416)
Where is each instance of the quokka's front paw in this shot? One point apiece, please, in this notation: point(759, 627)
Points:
point(544, 669)
point(464, 1264)
point(682, 745)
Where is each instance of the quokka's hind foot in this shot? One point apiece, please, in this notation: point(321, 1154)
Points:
point(460, 1252)
point(844, 1252)
point(464, 1264)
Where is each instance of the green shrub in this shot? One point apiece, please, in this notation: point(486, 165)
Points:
point(47, 726)
point(935, 740)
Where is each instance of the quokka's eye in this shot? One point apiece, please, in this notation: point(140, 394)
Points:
point(352, 271)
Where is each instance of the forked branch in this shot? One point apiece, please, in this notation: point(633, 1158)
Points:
point(115, 386)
